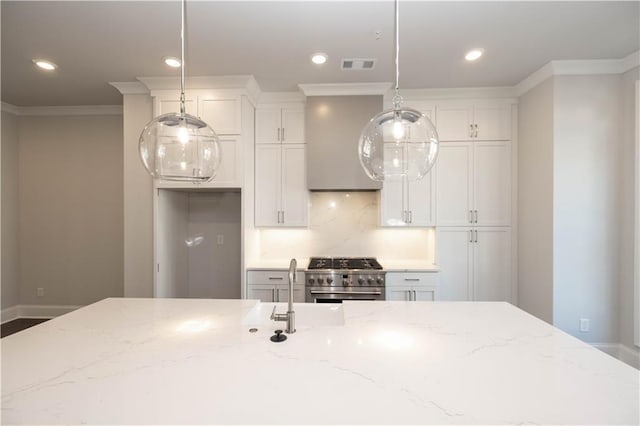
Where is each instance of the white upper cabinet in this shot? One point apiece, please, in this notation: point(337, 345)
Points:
point(222, 111)
point(281, 196)
point(465, 121)
point(474, 184)
point(280, 123)
point(408, 203)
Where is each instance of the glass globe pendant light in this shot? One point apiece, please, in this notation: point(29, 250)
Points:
point(400, 142)
point(179, 146)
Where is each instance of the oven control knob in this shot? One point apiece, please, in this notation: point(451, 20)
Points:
point(380, 280)
point(370, 280)
point(360, 280)
point(345, 282)
point(329, 280)
point(311, 280)
point(320, 280)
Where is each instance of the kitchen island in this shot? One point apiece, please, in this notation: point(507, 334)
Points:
point(188, 361)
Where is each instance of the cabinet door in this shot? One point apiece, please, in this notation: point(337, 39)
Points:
point(453, 122)
point(165, 106)
point(293, 125)
point(392, 206)
point(400, 293)
point(493, 121)
point(294, 185)
point(222, 114)
point(268, 124)
point(262, 292)
point(420, 195)
point(492, 264)
point(424, 294)
point(268, 185)
point(229, 173)
point(454, 257)
point(454, 184)
point(298, 294)
point(492, 183)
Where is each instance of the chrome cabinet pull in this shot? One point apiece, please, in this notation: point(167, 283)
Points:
point(470, 216)
point(476, 134)
point(470, 130)
point(414, 296)
point(273, 294)
point(470, 236)
point(276, 278)
point(410, 216)
point(278, 294)
point(409, 294)
point(412, 279)
point(476, 236)
point(476, 216)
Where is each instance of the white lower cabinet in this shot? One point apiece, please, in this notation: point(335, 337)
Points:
point(475, 263)
point(412, 286)
point(273, 286)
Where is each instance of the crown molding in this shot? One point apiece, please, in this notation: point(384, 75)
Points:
point(201, 82)
point(130, 87)
point(69, 110)
point(344, 89)
point(578, 67)
point(278, 97)
point(455, 93)
point(11, 109)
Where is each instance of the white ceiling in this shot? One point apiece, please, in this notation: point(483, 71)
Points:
point(97, 42)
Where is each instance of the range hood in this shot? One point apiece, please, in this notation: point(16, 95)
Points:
point(333, 126)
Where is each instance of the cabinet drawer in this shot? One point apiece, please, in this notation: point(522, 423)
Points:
point(273, 277)
point(413, 279)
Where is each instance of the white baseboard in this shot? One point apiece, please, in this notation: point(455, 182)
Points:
point(622, 352)
point(36, 311)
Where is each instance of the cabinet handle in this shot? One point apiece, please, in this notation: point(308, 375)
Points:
point(476, 231)
point(410, 216)
point(276, 278)
point(475, 134)
point(470, 236)
point(409, 294)
point(273, 294)
point(476, 216)
point(412, 279)
point(278, 294)
point(470, 130)
point(278, 216)
point(283, 134)
point(414, 296)
point(470, 216)
point(278, 134)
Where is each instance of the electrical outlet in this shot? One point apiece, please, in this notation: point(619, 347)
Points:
point(40, 292)
point(584, 325)
point(220, 239)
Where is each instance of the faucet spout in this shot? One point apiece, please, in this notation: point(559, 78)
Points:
point(290, 316)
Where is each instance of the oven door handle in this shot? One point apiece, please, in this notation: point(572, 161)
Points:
point(365, 293)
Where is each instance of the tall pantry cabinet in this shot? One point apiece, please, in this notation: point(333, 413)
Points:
point(473, 201)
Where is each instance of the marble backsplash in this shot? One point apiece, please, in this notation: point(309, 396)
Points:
point(346, 224)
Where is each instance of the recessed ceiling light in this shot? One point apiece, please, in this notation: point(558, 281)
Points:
point(319, 58)
point(473, 54)
point(45, 65)
point(172, 61)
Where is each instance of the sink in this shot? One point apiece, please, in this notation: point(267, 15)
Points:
point(307, 315)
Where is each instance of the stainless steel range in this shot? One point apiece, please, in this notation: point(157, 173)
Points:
point(332, 280)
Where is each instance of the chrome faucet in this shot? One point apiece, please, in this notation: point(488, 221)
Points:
point(290, 316)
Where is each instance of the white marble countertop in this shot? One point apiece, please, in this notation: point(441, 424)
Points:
point(182, 361)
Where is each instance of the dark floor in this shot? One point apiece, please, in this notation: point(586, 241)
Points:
point(19, 324)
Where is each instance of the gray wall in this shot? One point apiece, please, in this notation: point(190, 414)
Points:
point(10, 279)
point(138, 202)
point(628, 196)
point(70, 203)
point(587, 156)
point(535, 201)
point(214, 269)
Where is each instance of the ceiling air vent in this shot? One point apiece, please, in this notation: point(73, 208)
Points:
point(358, 64)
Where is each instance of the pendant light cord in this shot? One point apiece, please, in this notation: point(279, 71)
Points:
point(397, 99)
point(182, 108)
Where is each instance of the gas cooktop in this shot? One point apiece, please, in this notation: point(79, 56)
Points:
point(344, 263)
